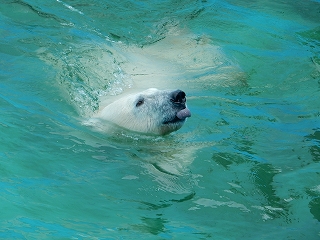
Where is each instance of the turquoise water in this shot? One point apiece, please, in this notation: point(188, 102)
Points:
point(246, 165)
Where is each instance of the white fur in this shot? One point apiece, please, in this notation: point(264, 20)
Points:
point(150, 117)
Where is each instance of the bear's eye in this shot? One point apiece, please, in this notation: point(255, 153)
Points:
point(140, 102)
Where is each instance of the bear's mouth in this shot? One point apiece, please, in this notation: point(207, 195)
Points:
point(175, 120)
point(179, 117)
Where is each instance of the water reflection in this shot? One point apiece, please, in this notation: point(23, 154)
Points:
point(314, 192)
point(151, 225)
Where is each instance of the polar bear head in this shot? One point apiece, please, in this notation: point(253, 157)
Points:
point(152, 111)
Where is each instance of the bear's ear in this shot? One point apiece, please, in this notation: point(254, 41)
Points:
point(140, 102)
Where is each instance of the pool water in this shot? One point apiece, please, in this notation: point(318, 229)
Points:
point(246, 165)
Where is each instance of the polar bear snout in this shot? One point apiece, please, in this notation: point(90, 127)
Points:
point(178, 97)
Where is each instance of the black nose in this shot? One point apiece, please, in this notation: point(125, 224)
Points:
point(178, 96)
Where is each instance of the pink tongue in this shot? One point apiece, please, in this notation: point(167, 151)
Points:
point(184, 113)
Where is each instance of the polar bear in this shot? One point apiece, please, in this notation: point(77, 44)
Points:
point(153, 111)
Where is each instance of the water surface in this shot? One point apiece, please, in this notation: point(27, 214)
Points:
point(246, 164)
